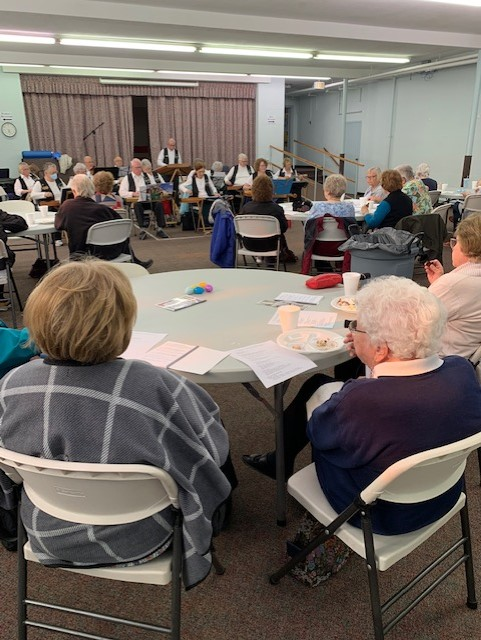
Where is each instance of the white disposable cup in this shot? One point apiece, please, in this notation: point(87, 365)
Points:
point(350, 280)
point(474, 185)
point(444, 186)
point(363, 201)
point(372, 206)
point(30, 219)
point(43, 209)
point(289, 316)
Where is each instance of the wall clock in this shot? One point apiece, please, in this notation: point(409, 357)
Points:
point(9, 129)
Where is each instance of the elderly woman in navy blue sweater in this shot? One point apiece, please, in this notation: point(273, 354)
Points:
point(413, 401)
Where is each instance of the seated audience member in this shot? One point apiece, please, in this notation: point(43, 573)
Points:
point(103, 185)
point(49, 187)
point(395, 206)
point(334, 187)
point(119, 163)
point(260, 169)
point(414, 401)
point(24, 183)
point(416, 190)
point(78, 170)
point(460, 289)
point(374, 191)
point(16, 348)
point(77, 215)
point(239, 174)
point(90, 164)
point(133, 185)
point(81, 316)
point(262, 204)
point(13, 224)
point(422, 173)
point(217, 175)
point(458, 205)
point(199, 184)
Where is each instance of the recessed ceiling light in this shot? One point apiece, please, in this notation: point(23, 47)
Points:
point(360, 58)
point(17, 64)
point(4, 37)
point(153, 83)
point(274, 75)
point(128, 44)
point(59, 66)
point(202, 73)
point(259, 53)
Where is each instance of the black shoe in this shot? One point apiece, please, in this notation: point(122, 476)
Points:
point(264, 463)
point(161, 234)
point(10, 545)
point(146, 264)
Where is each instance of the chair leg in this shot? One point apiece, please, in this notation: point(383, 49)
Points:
point(468, 565)
point(176, 575)
point(218, 566)
point(479, 463)
point(372, 576)
point(14, 285)
point(22, 580)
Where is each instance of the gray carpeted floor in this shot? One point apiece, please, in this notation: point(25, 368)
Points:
point(241, 604)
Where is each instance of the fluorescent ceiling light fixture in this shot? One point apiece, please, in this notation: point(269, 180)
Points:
point(259, 53)
point(355, 58)
point(274, 75)
point(18, 64)
point(462, 3)
point(333, 84)
point(60, 66)
point(26, 39)
point(128, 44)
point(151, 83)
point(203, 73)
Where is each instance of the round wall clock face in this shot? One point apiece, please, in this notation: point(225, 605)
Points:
point(9, 129)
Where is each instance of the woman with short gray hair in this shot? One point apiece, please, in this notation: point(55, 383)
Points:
point(422, 173)
point(334, 187)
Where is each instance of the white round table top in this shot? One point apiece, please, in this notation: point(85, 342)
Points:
point(231, 316)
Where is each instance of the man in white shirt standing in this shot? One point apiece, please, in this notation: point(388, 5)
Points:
point(133, 185)
point(24, 183)
point(169, 154)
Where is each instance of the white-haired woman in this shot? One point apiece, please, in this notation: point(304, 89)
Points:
point(415, 189)
point(413, 401)
point(374, 191)
point(422, 173)
point(24, 183)
point(334, 188)
point(460, 289)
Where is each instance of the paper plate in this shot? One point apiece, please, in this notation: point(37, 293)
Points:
point(311, 340)
point(348, 305)
point(45, 220)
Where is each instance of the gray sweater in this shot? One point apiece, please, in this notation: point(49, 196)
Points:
point(124, 411)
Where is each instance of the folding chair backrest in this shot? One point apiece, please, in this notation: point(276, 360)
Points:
point(443, 211)
point(423, 476)
point(257, 226)
point(434, 195)
point(18, 207)
point(472, 203)
point(96, 494)
point(109, 232)
point(331, 231)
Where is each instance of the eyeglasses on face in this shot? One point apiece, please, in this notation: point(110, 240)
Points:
point(352, 326)
point(453, 242)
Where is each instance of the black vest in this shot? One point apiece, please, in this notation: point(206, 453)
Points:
point(401, 206)
point(282, 173)
point(236, 169)
point(46, 186)
point(166, 156)
point(24, 186)
point(195, 188)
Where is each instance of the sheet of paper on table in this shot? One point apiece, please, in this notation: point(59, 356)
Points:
point(303, 298)
point(167, 353)
point(140, 343)
point(199, 360)
point(318, 319)
point(272, 364)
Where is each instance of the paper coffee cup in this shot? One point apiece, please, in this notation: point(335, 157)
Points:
point(289, 316)
point(30, 219)
point(474, 185)
point(363, 201)
point(444, 186)
point(372, 206)
point(43, 209)
point(350, 280)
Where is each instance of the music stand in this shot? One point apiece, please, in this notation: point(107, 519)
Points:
point(175, 169)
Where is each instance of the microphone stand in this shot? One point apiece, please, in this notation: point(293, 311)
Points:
point(93, 132)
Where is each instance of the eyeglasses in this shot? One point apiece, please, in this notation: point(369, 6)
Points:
point(453, 242)
point(368, 176)
point(352, 326)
